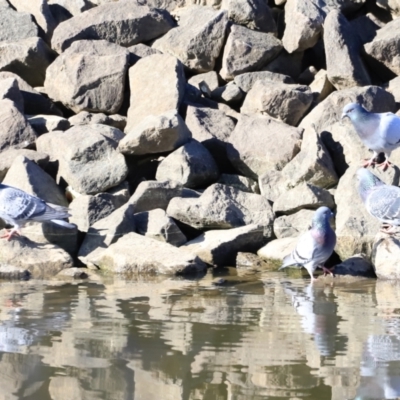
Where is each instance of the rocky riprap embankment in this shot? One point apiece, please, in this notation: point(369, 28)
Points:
point(182, 134)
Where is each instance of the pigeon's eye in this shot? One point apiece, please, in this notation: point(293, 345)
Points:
point(349, 111)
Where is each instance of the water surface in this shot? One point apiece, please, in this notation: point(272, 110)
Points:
point(265, 336)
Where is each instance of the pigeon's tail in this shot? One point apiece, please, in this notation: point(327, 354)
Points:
point(287, 261)
point(63, 223)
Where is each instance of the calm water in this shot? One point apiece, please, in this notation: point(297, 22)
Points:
point(266, 336)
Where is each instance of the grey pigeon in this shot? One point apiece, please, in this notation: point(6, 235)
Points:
point(380, 132)
point(18, 207)
point(381, 201)
point(315, 246)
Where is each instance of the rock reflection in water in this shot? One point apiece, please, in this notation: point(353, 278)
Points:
point(180, 339)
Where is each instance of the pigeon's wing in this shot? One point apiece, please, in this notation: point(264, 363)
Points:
point(304, 252)
point(384, 203)
point(17, 205)
point(389, 129)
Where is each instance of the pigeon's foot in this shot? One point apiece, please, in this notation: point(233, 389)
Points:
point(368, 162)
point(389, 229)
point(385, 165)
point(328, 271)
point(10, 233)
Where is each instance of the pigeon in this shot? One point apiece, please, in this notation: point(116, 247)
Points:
point(18, 207)
point(380, 132)
point(315, 246)
point(381, 201)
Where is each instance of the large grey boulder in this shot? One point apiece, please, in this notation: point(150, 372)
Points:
point(385, 45)
point(247, 80)
point(342, 43)
point(223, 207)
point(127, 256)
point(252, 160)
point(16, 25)
point(44, 260)
point(198, 40)
point(279, 100)
point(8, 156)
point(124, 22)
point(106, 231)
point(156, 134)
point(150, 195)
point(15, 131)
point(220, 248)
point(157, 85)
point(254, 14)
point(89, 76)
point(385, 256)
point(321, 87)
point(247, 50)
point(293, 225)
point(157, 225)
point(239, 182)
point(87, 157)
point(191, 165)
point(28, 58)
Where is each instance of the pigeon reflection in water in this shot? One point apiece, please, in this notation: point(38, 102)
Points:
point(318, 311)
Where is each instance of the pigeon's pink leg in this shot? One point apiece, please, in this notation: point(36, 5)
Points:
point(389, 229)
point(10, 233)
point(327, 271)
point(385, 165)
point(368, 162)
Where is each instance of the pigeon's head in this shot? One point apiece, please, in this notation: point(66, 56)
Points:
point(352, 110)
point(366, 182)
point(322, 216)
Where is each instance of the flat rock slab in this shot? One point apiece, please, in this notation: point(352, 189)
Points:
point(125, 23)
point(89, 76)
point(277, 249)
point(135, 253)
point(220, 248)
point(40, 260)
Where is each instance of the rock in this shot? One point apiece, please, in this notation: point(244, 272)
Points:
point(229, 93)
point(366, 26)
point(65, 9)
point(286, 64)
point(304, 20)
point(307, 76)
point(140, 50)
point(212, 128)
point(253, 160)
point(342, 43)
point(191, 165)
point(105, 231)
point(303, 196)
point(210, 78)
point(89, 76)
point(47, 123)
point(355, 227)
point(86, 210)
point(41, 261)
point(157, 225)
point(254, 15)
point(199, 38)
point(385, 256)
point(156, 134)
point(85, 118)
point(8, 271)
point(28, 58)
point(321, 87)
point(269, 184)
point(385, 44)
point(293, 225)
point(41, 12)
point(247, 50)
point(87, 157)
point(15, 131)
point(74, 273)
point(8, 157)
point(125, 23)
point(286, 102)
point(9, 90)
point(223, 207)
point(393, 87)
point(390, 5)
point(239, 182)
point(247, 80)
point(157, 85)
point(220, 248)
point(34, 102)
point(249, 262)
point(16, 25)
point(150, 195)
point(277, 249)
point(26, 175)
point(357, 265)
point(127, 256)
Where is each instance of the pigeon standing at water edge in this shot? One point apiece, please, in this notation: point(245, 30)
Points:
point(380, 132)
point(315, 246)
point(381, 201)
point(18, 207)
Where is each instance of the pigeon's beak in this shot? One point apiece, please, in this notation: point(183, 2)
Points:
point(344, 115)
